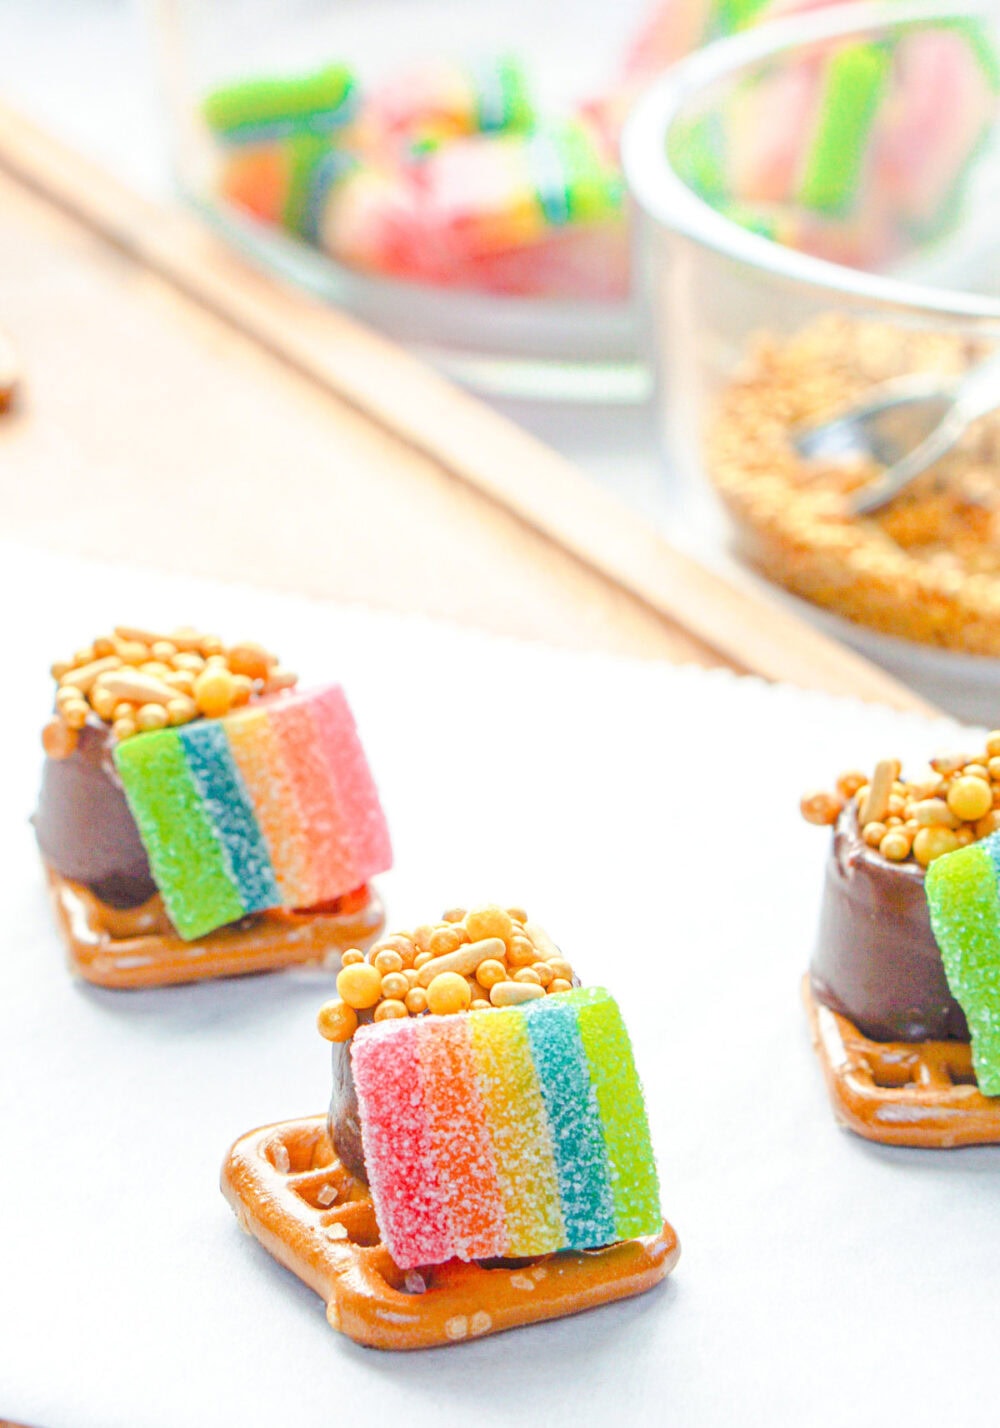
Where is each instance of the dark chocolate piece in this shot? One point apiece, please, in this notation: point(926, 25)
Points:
point(876, 960)
point(344, 1120)
point(83, 825)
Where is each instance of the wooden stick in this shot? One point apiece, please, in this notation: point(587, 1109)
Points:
point(461, 435)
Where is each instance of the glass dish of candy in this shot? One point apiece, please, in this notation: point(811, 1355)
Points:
point(820, 216)
point(448, 170)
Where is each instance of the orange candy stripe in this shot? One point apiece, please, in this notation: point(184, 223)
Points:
point(462, 1149)
point(259, 759)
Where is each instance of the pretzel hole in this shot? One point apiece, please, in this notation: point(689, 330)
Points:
point(323, 1195)
point(892, 1075)
point(403, 1281)
point(357, 1219)
point(299, 1151)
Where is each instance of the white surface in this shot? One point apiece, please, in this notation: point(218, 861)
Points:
point(647, 816)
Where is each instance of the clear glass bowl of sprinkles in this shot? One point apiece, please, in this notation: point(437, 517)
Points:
point(819, 214)
point(445, 169)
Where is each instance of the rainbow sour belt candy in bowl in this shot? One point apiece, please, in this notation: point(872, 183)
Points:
point(799, 153)
point(320, 138)
point(200, 816)
point(486, 1161)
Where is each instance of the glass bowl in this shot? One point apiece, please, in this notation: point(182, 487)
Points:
point(353, 226)
point(819, 213)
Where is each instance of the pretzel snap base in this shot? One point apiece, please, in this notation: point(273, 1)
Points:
point(291, 1192)
point(139, 947)
point(914, 1093)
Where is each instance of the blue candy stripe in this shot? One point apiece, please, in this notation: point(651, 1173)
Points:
point(991, 845)
point(574, 1124)
point(331, 169)
point(228, 805)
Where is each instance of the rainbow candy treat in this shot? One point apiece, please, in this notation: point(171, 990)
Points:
point(505, 1133)
point(262, 110)
point(963, 894)
point(271, 806)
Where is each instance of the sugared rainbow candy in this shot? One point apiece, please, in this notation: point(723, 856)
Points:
point(288, 183)
point(505, 1133)
point(271, 806)
point(496, 193)
point(963, 895)
point(439, 100)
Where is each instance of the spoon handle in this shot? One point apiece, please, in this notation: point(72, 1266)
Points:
point(979, 392)
point(879, 493)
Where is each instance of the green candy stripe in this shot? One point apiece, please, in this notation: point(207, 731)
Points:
point(698, 150)
point(964, 905)
point(635, 1186)
point(517, 103)
point(187, 860)
point(733, 15)
point(277, 106)
point(854, 86)
point(594, 190)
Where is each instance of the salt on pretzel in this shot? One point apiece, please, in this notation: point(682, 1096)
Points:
point(292, 1193)
point(916, 1093)
point(139, 948)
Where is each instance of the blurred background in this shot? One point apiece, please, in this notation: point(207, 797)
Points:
point(671, 238)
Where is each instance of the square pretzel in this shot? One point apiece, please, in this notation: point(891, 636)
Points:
point(916, 1093)
point(139, 948)
point(291, 1192)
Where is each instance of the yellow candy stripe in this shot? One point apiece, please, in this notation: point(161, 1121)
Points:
point(518, 1127)
point(258, 757)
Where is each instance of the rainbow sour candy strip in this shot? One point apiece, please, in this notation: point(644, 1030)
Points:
point(255, 810)
point(963, 895)
point(505, 1133)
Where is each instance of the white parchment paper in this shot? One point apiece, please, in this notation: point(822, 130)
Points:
point(648, 817)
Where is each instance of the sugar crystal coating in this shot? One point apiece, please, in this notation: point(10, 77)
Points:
point(574, 1124)
point(515, 1115)
point(355, 788)
point(412, 1213)
point(257, 751)
point(634, 1181)
point(505, 1133)
point(964, 903)
point(272, 805)
point(315, 795)
point(463, 1150)
point(185, 853)
point(228, 806)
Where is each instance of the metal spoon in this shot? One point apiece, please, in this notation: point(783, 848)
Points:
point(906, 427)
